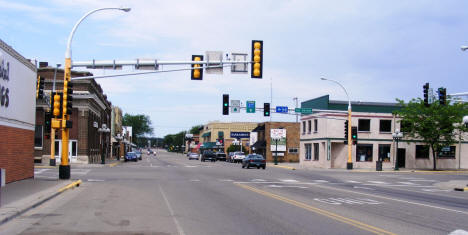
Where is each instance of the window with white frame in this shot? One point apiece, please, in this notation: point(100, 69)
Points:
point(303, 127)
point(364, 125)
point(364, 153)
point(385, 126)
point(315, 125)
point(309, 128)
point(316, 151)
point(293, 150)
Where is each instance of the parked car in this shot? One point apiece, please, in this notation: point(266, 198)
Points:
point(238, 156)
point(208, 155)
point(193, 156)
point(131, 156)
point(254, 160)
point(138, 153)
point(220, 156)
point(229, 157)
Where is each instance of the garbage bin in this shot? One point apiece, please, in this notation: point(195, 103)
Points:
point(378, 166)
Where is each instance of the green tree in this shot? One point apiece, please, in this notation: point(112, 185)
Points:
point(141, 125)
point(236, 148)
point(437, 125)
point(196, 129)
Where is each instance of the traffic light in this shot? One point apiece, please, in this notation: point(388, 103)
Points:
point(197, 74)
point(257, 59)
point(426, 94)
point(225, 104)
point(40, 88)
point(56, 104)
point(346, 132)
point(354, 135)
point(266, 109)
point(47, 122)
point(442, 96)
point(68, 98)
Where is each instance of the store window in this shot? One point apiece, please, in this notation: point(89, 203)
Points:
point(308, 152)
point(315, 125)
point(364, 125)
point(447, 152)
point(38, 136)
point(293, 150)
point(303, 127)
point(309, 130)
point(422, 151)
point(364, 153)
point(384, 152)
point(386, 126)
point(316, 151)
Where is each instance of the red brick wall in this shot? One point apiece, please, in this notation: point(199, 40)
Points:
point(16, 153)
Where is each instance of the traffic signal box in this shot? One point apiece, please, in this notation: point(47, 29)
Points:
point(67, 104)
point(225, 104)
point(426, 94)
point(40, 88)
point(197, 74)
point(442, 96)
point(257, 59)
point(47, 122)
point(354, 135)
point(346, 132)
point(266, 109)
point(56, 107)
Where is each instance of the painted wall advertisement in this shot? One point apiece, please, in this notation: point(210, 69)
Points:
point(17, 92)
point(278, 140)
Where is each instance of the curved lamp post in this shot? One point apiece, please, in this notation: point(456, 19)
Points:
point(64, 169)
point(349, 165)
point(397, 136)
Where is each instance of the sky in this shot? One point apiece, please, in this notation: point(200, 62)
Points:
point(378, 50)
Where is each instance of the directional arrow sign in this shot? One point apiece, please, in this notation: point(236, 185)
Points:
point(282, 109)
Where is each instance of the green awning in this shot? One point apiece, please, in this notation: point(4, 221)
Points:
point(209, 145)
point(207, 134)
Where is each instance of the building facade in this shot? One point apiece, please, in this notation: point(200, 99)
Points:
point(322, 139)
point(89, 140)
point(286, 149)
point(116, 133)
point(18, 78)
point(214, 131)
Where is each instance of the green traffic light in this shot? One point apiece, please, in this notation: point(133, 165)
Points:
point(225, 104)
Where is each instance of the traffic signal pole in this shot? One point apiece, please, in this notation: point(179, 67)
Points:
point(349, 165)
point(52, 147)
point(64, 169)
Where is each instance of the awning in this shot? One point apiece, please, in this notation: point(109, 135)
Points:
point(259, 128)
point(209, 145)
point(261, 144)
point(206, 134)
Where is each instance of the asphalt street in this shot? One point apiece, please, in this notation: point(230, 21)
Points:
point(169, 194)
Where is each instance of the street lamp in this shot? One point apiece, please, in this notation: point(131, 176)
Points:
point(397, 136)
point(349, 165)
point(464, 48)
point(64, 168)
point(465, 121)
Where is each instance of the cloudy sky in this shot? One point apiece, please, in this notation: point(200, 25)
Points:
point(379, 50)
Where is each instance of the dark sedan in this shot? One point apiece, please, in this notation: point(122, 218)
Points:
point(254, 160)
point(208, 155)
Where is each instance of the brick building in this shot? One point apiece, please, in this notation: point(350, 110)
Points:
point(17, 105)
point(287, 149)
point(91, 117)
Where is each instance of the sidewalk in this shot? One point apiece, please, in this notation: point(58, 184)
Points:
point(18, 197)
point(109, 163)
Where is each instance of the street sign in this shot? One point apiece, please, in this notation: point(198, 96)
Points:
point(238, 135)
point(303, 110)
point(214, 59)
point(250, 106)
point(235, 106)
point(282, 109)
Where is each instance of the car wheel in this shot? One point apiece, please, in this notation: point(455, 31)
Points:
point(258, 167)
point(248, 166)
point(263, 168)
point(243, 166)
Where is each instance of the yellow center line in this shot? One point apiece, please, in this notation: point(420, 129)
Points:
point(328, 214)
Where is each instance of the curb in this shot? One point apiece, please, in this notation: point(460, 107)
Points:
point(40, 202)
point(115, 164)
point(465, 189)
point(285, 167)
point(48, 167)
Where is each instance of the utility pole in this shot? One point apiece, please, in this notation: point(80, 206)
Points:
point(297, 114)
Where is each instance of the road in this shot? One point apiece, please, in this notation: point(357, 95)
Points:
point(169, 194)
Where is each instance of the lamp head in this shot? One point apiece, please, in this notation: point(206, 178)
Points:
point(465, 119)
point(464, 48)
point(323, 79)
point(126, 9)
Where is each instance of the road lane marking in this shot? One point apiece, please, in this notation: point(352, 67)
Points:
point(328, 214)
point(353, 182)
point(408, 183)
point(285, 186)
point(258, 180)
point(392, 199)
point(320, 181)
point(226, 180)
point(350, 201)
point(424, 180)
point(95, 180)
point(179, 228)
point(377, 182)
point(289, 181)
point(194, 180)
point(363, 187)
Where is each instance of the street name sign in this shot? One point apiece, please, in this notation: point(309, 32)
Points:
point(303, 110)
point(250, 106)
point(282, 109)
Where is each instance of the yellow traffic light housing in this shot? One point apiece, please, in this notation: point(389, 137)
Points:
point(56, 102)
point(197, 69)
point(257, 59)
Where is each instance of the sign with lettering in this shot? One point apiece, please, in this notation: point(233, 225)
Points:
point(239, 135)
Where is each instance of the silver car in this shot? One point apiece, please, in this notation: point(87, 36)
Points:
point(193, 156)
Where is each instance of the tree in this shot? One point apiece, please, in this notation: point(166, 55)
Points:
point(436, 125)
point(141, 125)
point(236, 148)
point(196, 129)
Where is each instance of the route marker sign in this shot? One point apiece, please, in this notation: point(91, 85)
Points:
point(282, 109)
point(235, 106)
point(250, 106)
